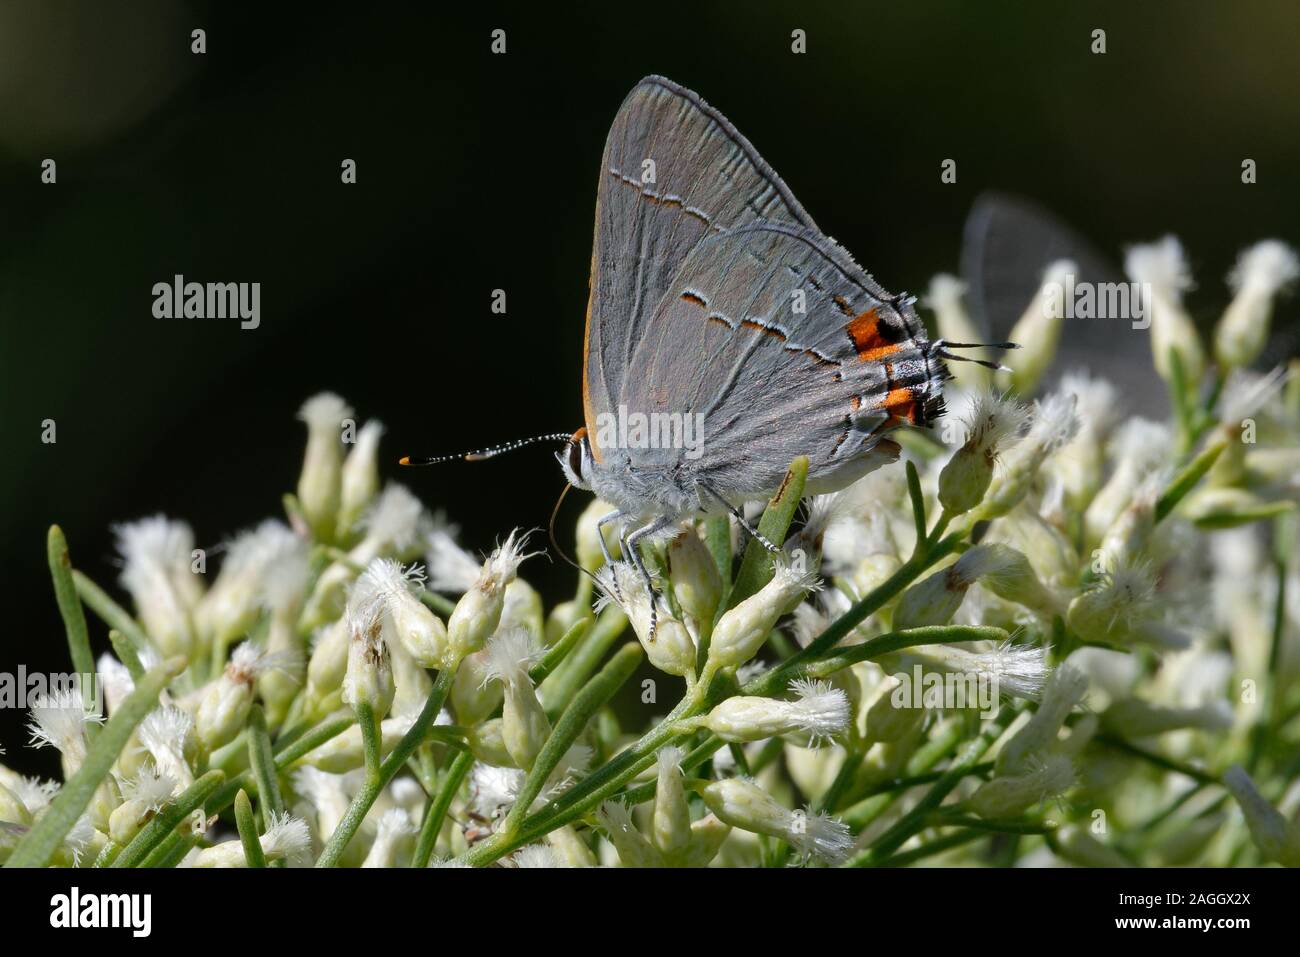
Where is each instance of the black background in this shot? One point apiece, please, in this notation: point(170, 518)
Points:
point(478, 172)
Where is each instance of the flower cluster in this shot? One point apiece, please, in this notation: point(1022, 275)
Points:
point(1052, 635)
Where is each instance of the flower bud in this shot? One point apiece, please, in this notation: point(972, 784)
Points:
point(1080, 463)
point(1134, 718)
point(819, 711)
point(223, 709)
point(328, 663)
point(741, 630)
point(707, 835)
point(994, 424)
point(12, 809)
point(887, 719)
point(671, 649)
point(478, 612)
point(283, 591)
point(487, 740)
point(633, 849)
point(145, 795)
point(590, 554)
point(359, 479)
point(1038, 331)
point(1054, 423)
point(1014, 580)
point(59, 721)
point(1277, 839)
point(1063, 691)
point(287, 838)
point(232, 605)
point(525, 727)
point(156, 555)
point(319, 483)
point(672, 815)
point(420, 632)
point(696, 582)
point(1262, 271)
point(394, 839)
point(745, 805)
point(1117, 602)
point(1005, 796)
point(369, 676)
point(1162, 267)
point(1139, 448)
point(473, 696)
point(934, 600)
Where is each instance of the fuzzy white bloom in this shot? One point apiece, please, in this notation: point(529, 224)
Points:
point(224, 706)
point(167, 733)
point(818, 711)
point(1277, 839)
point(59, 721)
point(1162, 267)
point(232, 604)
point(143, 796)
point(1139, 448)
point(34, 793)
point(743, 804)
point(115, 681)
point(934, 600)
point(369, 676)
point(1063, 692)
point(633, 848)
point(1053, 423)
point(478, 612)
point(359, 479)
point(1118, 602)
point(1018, 671)
point(992, 425)
point(671, 821)
point(494, 789)
point(327, 794)
point(1012, 578)
point(287, 838)
point(1038, 331)
point(322, 467)
point(1262, 271)
point(741, 630)
point(156, 555)
point(525, 727)
point(418, 629)
point(393, 839)
point(1005, 796)
point(536, 855)
point(944, 298)
point(451, 568)
point(1080, 463)
point(671, 649)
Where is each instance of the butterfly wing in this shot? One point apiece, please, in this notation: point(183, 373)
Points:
point(786, 347)
point(674, 172)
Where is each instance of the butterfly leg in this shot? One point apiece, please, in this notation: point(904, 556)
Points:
point(631, 549)
point(604, 548)
point(739, 516)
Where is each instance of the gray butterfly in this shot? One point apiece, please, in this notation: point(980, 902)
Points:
point(716, 302)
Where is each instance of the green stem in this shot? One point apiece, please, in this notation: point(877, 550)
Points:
point(938, 846)
point(1186, 479)
point(918, 506)
point(40, 843)
point(370, 745)
point(756, 565)
point(261, 760)
point(1159, 760)
point(396, 759)
point(559, 651)
point(285, 756)
point(436, 812)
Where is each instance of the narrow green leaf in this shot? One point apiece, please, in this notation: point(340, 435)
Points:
point(558, 651)
point(756, 567)
point(125, 652)
point(1186, 480)
point(436, 812)
point(248, 836)
point(36, 849)
point(74, 617)
point(113, 614)
point(261, 762)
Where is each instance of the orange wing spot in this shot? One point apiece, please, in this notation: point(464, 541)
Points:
point(867, 338)
point(901, 404)
point(856, 401)
point(692, 297)
point(751, 324)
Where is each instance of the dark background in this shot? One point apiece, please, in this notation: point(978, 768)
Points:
point(478, 172)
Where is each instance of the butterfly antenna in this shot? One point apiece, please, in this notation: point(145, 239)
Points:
point(555, 543)
point(478, 455)
point(942, 346)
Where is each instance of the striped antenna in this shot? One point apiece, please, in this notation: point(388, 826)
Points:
point(478, 455)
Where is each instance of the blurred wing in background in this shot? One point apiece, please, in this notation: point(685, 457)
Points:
point(1006, 244)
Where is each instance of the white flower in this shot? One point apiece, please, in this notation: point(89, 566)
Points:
point(319, 483)
point(59, 721)
point(1162, 268)
point(819, 711)
point(1262, 271)
point(743, 804)
point(156, 555)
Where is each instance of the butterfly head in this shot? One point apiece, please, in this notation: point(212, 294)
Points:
point(576, 460)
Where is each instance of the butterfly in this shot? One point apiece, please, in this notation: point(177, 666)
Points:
point(726, 334)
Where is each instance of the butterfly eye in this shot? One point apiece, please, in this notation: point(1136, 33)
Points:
point(576, 458)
